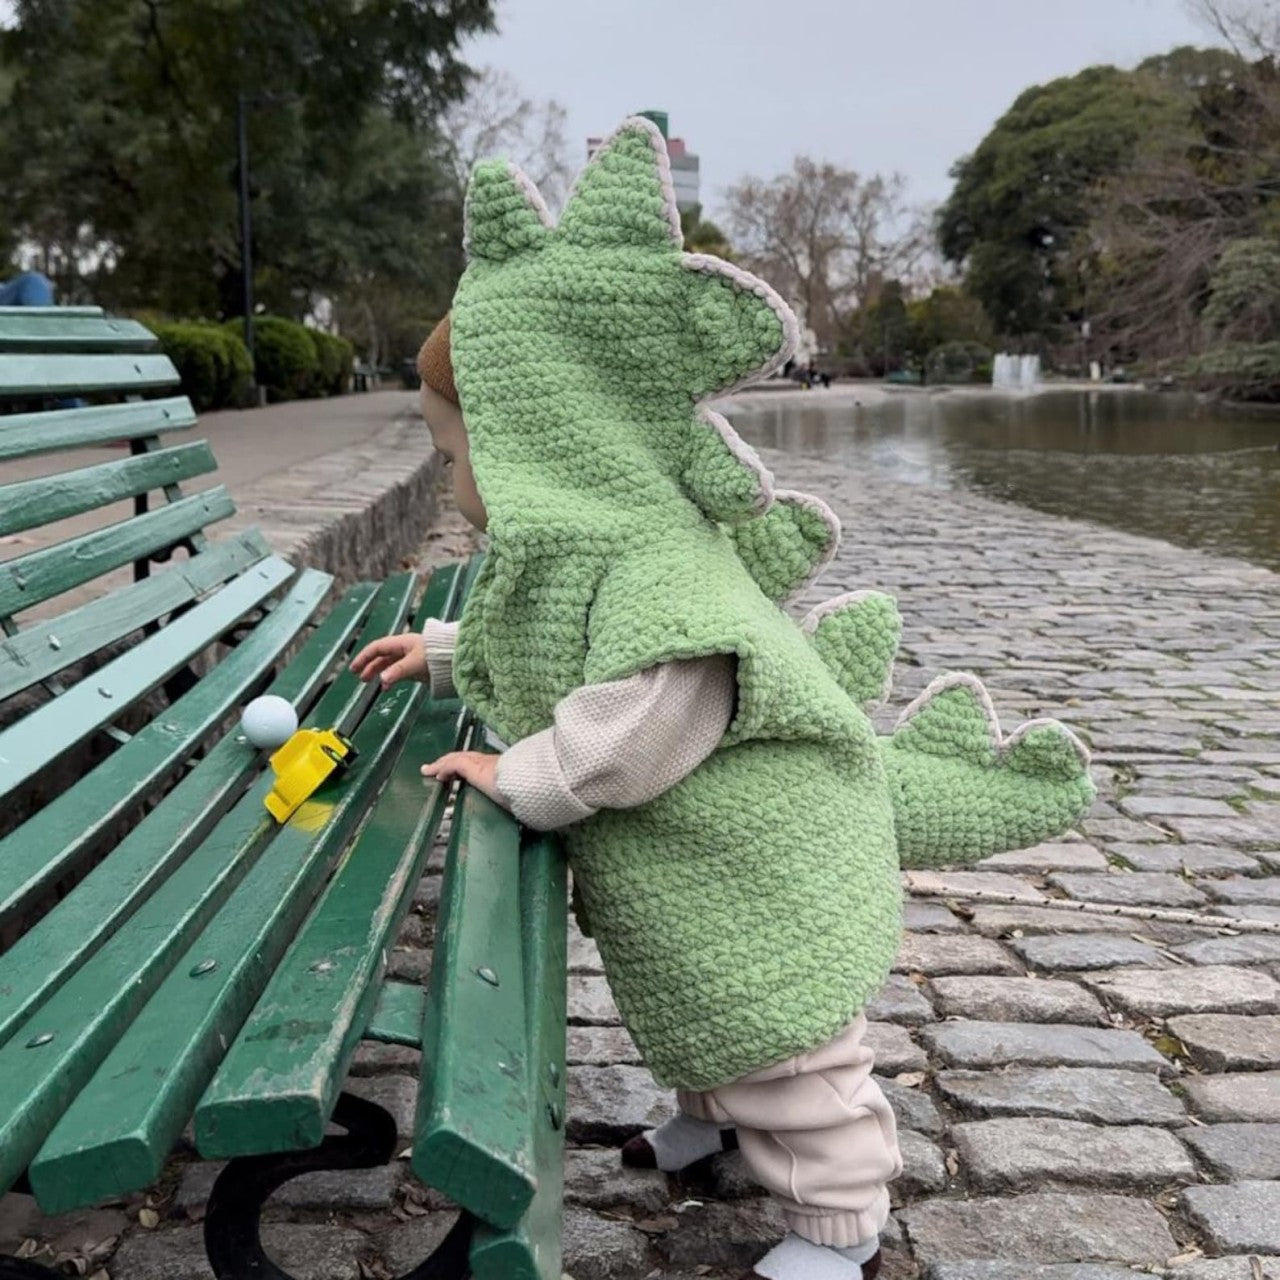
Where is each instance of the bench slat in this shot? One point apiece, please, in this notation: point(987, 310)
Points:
point(31, 579)
point(474, 1131)
point(46, 376)
point(90, 1012)
point(43, 735)
point(531, 1249)
point(397, 1015)
point(41, 329)
point(120, 1129)
point(278, 1083)
point(43, 500)
point(276, 1089)
point(73, 823)
point(23, 435)
point(70, 932)
point(50, 311)
point(48, 647)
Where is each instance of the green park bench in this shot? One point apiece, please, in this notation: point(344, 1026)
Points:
point(170, 956)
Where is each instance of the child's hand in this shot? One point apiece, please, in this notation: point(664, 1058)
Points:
point(477, 768)
point(399, 657)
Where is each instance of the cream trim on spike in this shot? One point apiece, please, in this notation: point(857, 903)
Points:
point(1047, 722)
point(630, 125)
point(1003, 745)
point(527, 187)
point(707, 264)
point(531, 193)
point(838, 604)
point(956, 680)
point(744, 454)
point(794, 498)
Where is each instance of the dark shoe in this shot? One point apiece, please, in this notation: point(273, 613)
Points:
point(637, 1153)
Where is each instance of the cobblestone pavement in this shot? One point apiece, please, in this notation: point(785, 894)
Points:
point(1079, 1096)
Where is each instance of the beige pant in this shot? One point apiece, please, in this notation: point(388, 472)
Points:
point(818, 1133)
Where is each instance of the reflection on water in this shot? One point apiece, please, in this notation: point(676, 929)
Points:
point(1151, 463)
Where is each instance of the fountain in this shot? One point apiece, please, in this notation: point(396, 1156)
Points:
point(1015, 373)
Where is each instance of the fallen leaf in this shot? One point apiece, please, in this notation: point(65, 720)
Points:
point(953, 1162)
point(658, 1224)
point(148, 1218)
point(103, 1249)
point(910, 1079)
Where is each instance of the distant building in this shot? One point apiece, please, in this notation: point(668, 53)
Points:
point(684, 164)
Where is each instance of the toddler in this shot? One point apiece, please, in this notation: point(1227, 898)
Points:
point(734, 826)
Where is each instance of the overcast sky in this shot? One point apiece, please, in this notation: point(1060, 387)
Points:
point(876, 85)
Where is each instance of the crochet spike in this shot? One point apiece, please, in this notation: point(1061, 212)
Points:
point(856, 635)
point(505, 215)
point(625, 196)
point(724, 477)
point(953, 717)
point(789, 546)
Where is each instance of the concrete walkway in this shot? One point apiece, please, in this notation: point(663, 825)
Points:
point(344, 484)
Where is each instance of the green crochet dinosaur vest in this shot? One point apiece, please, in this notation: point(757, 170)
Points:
point(747, 914)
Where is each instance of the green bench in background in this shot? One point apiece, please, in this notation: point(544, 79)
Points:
point(172, 956)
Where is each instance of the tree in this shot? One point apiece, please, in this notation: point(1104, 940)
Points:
point(1159, 229)
point(947, 315)
point(884, 329)
point(495, 118)
point(824, 236)
point(1251, 28)
point(119, 143)
point(703, 236)
point(1022, 198)
point(1244, 292)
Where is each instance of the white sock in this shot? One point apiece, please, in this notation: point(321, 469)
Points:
point(799, 1259)
point(682, 1140)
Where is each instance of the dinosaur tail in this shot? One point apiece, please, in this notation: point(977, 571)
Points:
point(961, 790)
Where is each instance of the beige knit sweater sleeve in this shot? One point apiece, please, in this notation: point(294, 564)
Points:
point(614, 745)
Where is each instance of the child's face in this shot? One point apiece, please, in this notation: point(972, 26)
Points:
point(449, 435)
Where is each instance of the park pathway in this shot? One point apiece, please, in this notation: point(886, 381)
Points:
point(1079, 1097)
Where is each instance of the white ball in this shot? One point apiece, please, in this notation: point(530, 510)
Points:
point(269, 721)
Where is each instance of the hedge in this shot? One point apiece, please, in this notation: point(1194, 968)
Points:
point(285, 359)
point(292, 360)
point(212, 361)
point(336, 357)
point(959, 362)
point(1238, 371)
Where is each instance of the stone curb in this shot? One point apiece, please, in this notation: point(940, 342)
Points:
point(357, 513)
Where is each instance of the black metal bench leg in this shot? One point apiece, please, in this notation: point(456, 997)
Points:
point(232, 1225)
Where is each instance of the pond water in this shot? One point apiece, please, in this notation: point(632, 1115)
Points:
point(1166, 465)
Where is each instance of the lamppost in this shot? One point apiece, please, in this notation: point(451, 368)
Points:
point(246, 224)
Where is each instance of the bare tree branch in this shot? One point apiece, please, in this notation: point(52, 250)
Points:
point(497, 119)
point(825, 236)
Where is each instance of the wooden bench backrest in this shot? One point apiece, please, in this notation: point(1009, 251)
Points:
point(62, 527)
point(118, 1002)
point(70, 382)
